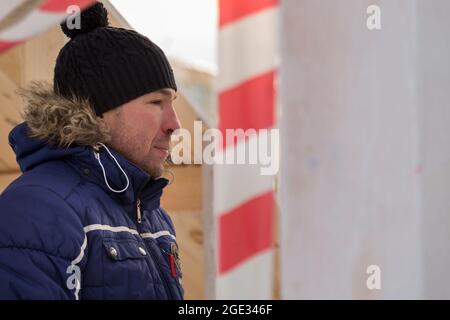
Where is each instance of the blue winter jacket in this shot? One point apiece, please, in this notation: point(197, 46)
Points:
point(65, 235)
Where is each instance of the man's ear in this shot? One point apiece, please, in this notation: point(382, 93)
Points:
point(102, 122)
point(109, 118)
point(100, 119)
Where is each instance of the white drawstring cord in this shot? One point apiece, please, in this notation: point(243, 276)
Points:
point(97, 156)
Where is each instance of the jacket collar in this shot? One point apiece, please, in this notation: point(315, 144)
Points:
point(30, 152)
point(140, 184)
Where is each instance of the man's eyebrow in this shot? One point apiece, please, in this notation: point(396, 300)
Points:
point(168, 93)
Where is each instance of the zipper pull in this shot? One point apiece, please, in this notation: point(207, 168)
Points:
point(138, 207)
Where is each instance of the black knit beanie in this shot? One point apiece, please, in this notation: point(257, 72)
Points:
point(108, 66)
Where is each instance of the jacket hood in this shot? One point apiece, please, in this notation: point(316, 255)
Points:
point(54, 127)
point(61, 121)
point(31, 152)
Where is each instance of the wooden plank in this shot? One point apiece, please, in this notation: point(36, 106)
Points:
point(39, 56)
point(189, 229)
point(209, 247)
point(10, 102)
point(9, 116)
point(185, 192)
point(10, 64)
point(115, 18)
point(7, 156)
point(6, 179)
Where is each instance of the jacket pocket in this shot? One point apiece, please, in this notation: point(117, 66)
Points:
point(123, 249)
point(171, 253)
point(128, 273)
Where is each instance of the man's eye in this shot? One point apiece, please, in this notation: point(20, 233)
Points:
point(158, 102)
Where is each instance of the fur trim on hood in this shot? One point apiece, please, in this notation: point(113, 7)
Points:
point(61, 121)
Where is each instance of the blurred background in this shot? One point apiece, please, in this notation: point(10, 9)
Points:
point(360, 91)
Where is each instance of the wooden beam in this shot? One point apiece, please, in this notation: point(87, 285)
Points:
point(185, 192)
point(10, 64)
point(115, 18)
point(7, 178)
point(7, 156)
point(189, 227)
point(209, 246)
point(10, 102)
point(39, 56)
point(9, 116)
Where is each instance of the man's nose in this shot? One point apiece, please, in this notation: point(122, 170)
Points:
point(171, 121)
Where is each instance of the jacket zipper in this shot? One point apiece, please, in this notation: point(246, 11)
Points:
point(150, 250)
point(138, 211)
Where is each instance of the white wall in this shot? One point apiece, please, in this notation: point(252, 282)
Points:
point(433, 96)
point(365, 149)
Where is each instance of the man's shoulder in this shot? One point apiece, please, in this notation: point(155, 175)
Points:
point(35, 217)
point(37, 201)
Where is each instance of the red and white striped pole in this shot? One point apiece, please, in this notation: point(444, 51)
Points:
point(32, 21)
point(243, 198)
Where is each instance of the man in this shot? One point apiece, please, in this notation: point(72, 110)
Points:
point(83, 221)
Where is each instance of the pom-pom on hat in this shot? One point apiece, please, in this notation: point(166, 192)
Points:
point(108, 66)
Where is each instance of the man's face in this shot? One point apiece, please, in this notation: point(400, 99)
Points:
point(141, 129)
